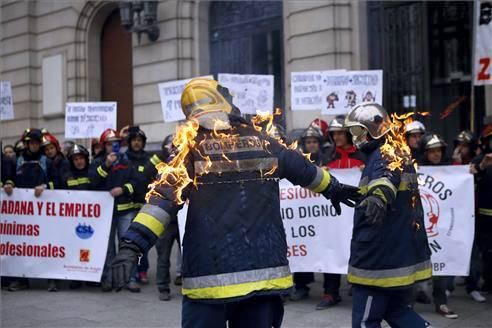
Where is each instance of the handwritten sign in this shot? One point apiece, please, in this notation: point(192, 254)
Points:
point(251, 93)
point(6, 101)
point(86, 120)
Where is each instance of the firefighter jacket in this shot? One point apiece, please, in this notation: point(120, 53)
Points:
point(32, 170)
point(139, 161)
point(234, 244)
point(120, 174)
point(394, 253)
point(78, 179)
point(58, 169)
point(7, 171)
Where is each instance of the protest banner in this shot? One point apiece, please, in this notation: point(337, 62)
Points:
point(344, 90)
point(482, 61)
point(170, 94)
point(60, 235)
point(251, 93)
point(85, 120)
point(319, 240)
point(306, 89)
point(6, 101)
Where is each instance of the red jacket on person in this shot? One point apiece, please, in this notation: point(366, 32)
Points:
point(346, 158)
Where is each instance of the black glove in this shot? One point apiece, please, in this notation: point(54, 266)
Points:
point(375, 209)
point(124, 264)
point(341, 193)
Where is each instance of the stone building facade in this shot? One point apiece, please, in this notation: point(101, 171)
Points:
point(53, 51)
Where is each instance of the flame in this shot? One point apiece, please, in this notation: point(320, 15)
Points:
point(395, 149)
point(451, 107)
point(175, 173)
point(174, 177)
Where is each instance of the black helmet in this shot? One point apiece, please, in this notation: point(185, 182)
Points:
point(133, 132)
point(77, 150)
point(33, 134)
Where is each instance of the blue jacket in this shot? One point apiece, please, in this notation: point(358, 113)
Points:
point(120, 174)
point(32, 170)
point(394, 253)
point(234, 245)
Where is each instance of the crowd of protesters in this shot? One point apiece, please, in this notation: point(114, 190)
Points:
point(118, 163)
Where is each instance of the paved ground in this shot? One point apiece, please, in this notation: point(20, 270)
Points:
point(91, 308)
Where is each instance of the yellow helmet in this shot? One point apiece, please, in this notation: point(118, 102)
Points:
point(205, 100)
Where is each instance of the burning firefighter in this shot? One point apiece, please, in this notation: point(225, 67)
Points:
point(389, 249)
point(234, 266)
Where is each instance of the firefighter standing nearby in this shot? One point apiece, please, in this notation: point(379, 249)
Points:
point(482, 168)
point(389, 249)
point(138, 157)
point(414, 132)
point(434, 153)
point(235, 265)
point(114, 173)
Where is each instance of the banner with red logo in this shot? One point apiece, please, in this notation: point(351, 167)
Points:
point(319, 240)
point(60, 235)
point(482, 61)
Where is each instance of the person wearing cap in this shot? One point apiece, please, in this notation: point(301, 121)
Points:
point(31, 172)
point(328, 145)
point(389, 250)
point(138, 157)
point(114, 172)
point(235, 266)
point(481, 166)
point(434, 153)
point(465, 146)
point(414, 132)
point(97, 150)
point(77, 178)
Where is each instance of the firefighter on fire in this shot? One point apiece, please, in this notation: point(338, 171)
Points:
point(389, 249)
point(235, 266)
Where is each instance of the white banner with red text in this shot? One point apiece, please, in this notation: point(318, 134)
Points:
point(319, 240)
point(60, 235)
point(482, 61)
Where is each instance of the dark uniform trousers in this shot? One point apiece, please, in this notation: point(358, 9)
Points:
point(254, 312)
point(373, 305)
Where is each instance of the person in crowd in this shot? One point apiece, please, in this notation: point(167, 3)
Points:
point(19, 148)
point(481, 166)
point(9, 151)
point(311, 142)
point(31, 172)
point(346, 156)
point(114, 173)
point(465, 146)
point(414, 132)
point(77, 178)
point(328, 145)
point(165, 243)
point(7, 174)
point(138, 157)
point(67, 144)
point(434, 153)
point(57, 169)
point(389, 249)
point(97, 150)
point(465, 149)
point(58, 165)
point(235, 266)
